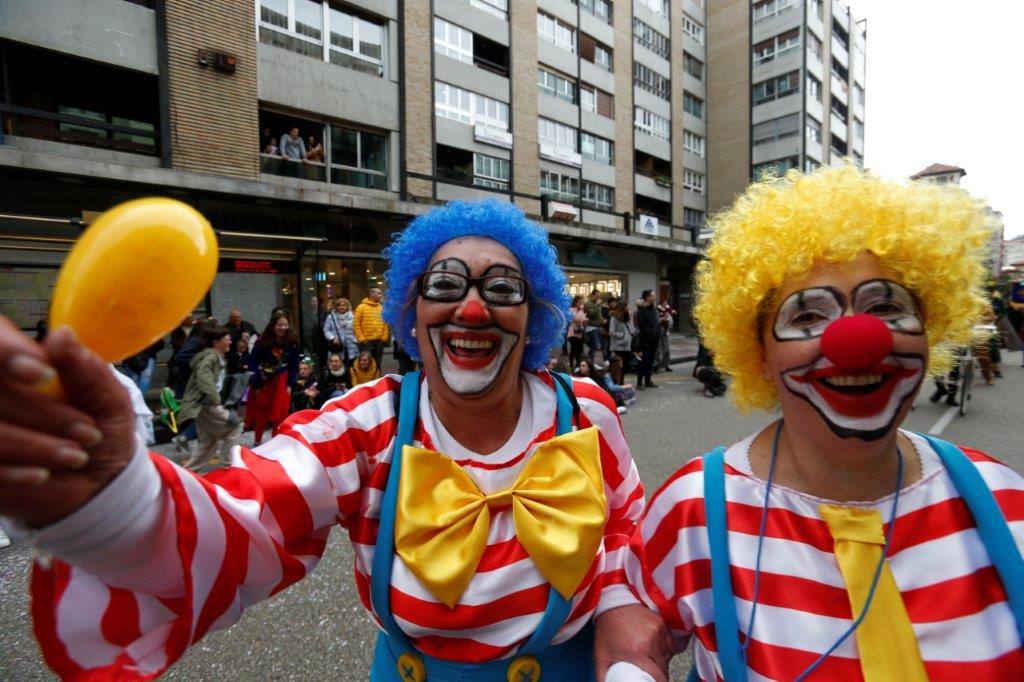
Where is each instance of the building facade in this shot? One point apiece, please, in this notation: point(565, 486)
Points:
point(309, 131)
point(786, 86)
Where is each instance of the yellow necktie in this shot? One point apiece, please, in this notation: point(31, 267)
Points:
point(885, 639)
point(558, 508)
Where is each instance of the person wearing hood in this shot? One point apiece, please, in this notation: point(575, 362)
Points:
point(339, 331)
point(372, 332)
point(363, 370)
point(218, 428)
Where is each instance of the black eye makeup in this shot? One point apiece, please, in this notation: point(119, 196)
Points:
point(806, 313)
point(889, 302)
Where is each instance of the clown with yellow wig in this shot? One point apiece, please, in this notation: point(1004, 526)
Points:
point(831, 544)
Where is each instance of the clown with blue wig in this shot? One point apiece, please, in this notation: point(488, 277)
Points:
point(488, 501)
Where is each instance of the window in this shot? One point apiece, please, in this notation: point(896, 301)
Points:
point(818, 9)
point(767, 9)
point(810, 165)
point(776, 88)
point(858, 129)
point(656, 6)
point(858, 94)
point(588, 98)
point(651, 39)
point(814, 46)
point(693, 181)
point(813, 88)
point(693, 28)
point(813, 130)
point(454, 164)
point(358, 158)
point(602, 9)
point(693, 105)
point(597, 148)
point(560, 187)
point(468, 107)
point(554, 133)
point(452, 40)
point(777, 167)
point(767, 50)
point(490, 171)
point(298, 25)
point(551, 83)
point(693, 218)
point(652, 124)
point(600, 197)
point(839, 109)
point(595, 52)
point(693, 66)
point(693, 143)
point(776, 129)
point(496, 8)
point(649, 80)
point(597, 100)
point(554, 31)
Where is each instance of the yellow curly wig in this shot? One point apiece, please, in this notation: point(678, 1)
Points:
point(931, 237)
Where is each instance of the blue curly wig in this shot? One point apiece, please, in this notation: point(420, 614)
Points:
point(409, 254)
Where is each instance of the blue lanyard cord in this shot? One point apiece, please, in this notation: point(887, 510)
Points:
point(874, 580)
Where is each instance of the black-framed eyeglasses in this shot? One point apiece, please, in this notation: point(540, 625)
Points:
point(447, 287)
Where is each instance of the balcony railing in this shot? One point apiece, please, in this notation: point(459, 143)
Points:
point(274, 164)
point(71, 129)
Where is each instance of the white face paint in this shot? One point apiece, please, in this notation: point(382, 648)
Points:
point(471, 359)
point(864, 404)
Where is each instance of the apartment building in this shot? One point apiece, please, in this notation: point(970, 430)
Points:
point(309, 131)
point(786, 86)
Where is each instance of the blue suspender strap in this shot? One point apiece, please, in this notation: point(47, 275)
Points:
point(384, 550)
point(558, 608)
point(992, 527)
point(727, 625)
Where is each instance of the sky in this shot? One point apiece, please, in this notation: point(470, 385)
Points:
point(945, 84)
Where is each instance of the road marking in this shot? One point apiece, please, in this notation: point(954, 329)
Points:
point(943, 422)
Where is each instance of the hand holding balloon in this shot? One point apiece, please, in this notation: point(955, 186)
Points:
point(58, 448)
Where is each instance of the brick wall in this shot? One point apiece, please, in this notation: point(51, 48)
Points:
point(526, 166)
point(419, 96)
point(728, 101)
point(214, 116)
point(623, 69)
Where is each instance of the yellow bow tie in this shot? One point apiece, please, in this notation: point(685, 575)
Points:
point(558, 508)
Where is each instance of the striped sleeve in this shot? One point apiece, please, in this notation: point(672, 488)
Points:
point(672, 527)
point(623, 489)
point(238, 535)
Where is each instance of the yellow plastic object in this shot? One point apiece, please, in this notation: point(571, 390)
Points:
point(134, 274)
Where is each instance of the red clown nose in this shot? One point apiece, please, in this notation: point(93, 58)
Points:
point(856, 342)
point(474, 313)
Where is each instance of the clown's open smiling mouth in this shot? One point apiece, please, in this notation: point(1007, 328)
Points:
point(471, 359)
point(860, 403)
point(470, 349)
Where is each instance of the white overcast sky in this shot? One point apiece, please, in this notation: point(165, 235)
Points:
point(945, 84)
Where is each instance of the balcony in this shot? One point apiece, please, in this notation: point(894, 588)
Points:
point(840, 53)
point(837, 126)
point(840, 90)
point(275, 164)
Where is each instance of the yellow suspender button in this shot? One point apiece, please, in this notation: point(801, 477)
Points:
point(524, 669)
point(411, 668)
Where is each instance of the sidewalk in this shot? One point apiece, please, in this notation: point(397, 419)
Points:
point(682, 348)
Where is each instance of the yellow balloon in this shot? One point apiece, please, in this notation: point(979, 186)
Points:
point(134, 274)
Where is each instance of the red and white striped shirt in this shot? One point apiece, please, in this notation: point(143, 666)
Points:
point(956, 602)
point(194, 551)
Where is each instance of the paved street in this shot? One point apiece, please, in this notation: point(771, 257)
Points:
point(317, 629)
